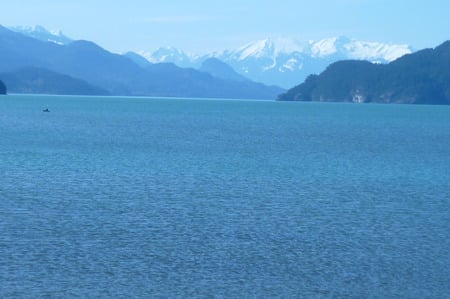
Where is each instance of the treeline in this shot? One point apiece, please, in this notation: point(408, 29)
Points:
point(419, 78)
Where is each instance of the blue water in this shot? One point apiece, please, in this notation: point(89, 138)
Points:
point(133, 197)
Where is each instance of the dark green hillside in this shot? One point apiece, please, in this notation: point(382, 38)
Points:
point(37, 80)
point(419, 78)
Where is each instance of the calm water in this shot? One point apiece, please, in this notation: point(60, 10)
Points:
point(128, 197)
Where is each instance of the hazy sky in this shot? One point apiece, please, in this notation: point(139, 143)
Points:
point(201, 26)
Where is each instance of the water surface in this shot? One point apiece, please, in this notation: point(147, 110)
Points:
point(135, 197)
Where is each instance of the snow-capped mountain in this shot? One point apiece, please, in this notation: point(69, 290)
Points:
point(40, 33)
point(171, 54)
point(266, 48)
point(287, 62)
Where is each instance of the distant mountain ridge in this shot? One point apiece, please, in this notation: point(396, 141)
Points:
point(219, 69)
point(281, 61)
point(419, 78)
point(138, 59)
point(285, 62)
point(117, 74)
point(42, 34)
point(42, 81)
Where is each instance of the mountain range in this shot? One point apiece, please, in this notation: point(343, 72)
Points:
point(286, 62)
point(419, 78)
point(35, 60)
point(282, 61)
point(38, 63)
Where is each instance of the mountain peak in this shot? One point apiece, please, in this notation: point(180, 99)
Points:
point(328, 46)
point(168, 54)
point(138, 59)
point(255, 49)
point(41, 33)
point(269, 47)
point(361, 50)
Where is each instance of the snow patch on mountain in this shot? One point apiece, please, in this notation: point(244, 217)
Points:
point(290, 65)
point(266, 48)
point(323, 47)
point(373, 51)
point(169, 55)
point(256, 49)
point(40, 33)
point(345, 47)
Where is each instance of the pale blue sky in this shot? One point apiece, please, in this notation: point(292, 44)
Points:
point(201, 26)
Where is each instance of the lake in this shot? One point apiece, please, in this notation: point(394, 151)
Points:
point(147, 197)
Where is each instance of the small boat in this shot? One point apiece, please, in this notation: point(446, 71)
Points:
point(46, 110)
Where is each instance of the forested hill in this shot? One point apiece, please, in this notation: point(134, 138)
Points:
point(419, 78)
